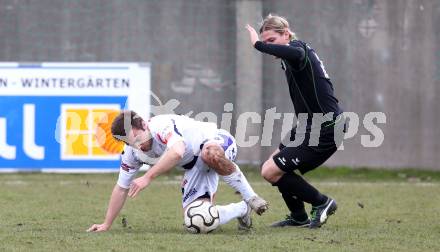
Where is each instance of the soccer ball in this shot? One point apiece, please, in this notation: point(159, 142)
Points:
point(201, 217)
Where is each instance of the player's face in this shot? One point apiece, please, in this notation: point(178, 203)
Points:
point(140, 139)
point(273, 37)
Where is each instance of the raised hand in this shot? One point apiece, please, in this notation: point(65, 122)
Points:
point(253, 35)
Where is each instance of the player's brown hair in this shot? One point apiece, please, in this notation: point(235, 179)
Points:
point(125, 122)
point(278, 24)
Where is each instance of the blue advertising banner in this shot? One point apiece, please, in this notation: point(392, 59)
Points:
point(49, 113)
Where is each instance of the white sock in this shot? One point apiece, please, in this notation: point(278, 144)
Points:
point(231, 211)
point(238, 181)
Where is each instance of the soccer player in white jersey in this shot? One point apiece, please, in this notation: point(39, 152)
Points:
point(166, 141)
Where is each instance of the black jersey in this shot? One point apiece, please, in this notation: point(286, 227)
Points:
point(310, 87)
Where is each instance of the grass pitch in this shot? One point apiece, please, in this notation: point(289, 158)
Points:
point(378, 211)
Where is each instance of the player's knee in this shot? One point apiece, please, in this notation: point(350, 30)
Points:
point(214, 157)
point(207, 155)
point(269, 172)
point(265, 172)
point(211, 154)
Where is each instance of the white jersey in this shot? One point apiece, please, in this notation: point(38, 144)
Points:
point(166, 130)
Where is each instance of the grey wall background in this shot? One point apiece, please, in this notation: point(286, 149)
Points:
point(381, 55)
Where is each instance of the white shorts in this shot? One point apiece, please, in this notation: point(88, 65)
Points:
point(200, 180)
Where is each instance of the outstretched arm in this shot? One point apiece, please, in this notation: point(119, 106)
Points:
point(168, 160)
point(115, 205)
point(295, 54)
point(290, 53)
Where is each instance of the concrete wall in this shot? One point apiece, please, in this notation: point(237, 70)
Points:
point(381, 55)
point(189, 43)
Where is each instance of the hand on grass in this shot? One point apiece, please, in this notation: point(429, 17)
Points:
point(96, 228)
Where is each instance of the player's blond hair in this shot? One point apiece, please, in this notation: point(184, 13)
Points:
point(277, 24)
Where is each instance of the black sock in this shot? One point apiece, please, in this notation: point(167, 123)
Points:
point(293, 184)
point(296, 206)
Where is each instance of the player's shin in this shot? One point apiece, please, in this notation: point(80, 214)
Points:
point(238, 181)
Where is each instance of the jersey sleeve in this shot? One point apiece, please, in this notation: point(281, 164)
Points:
point(129, 168)
point(287, 52)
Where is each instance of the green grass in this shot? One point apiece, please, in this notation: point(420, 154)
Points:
point(365, 174)
point(378, 211)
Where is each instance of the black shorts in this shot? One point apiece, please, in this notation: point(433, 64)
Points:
point(304, 157)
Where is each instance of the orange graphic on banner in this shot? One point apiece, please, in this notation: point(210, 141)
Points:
point(103, 135)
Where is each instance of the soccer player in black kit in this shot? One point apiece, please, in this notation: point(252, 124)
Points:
point(319, 129)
